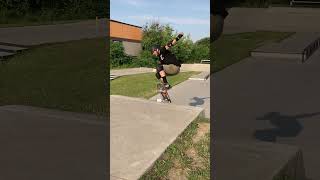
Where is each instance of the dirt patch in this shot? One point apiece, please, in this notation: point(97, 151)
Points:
point(177, 172)
point(203, 129)
point(196, 160)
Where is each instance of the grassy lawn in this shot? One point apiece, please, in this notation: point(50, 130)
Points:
point(230, 49)
point(187, 158)
point(68, 76)
point(143, 85)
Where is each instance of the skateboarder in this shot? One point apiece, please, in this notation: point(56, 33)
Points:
point(168, 64)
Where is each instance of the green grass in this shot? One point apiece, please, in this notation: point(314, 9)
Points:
point(143, 85)
point(230, 49)
point(176, 152)
point(68, 76)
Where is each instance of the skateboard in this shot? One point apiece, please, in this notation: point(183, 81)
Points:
point(163, 92)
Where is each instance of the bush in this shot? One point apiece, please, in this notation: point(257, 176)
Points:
point(145, 59)
point(200, 50)
point(15, 11)
point(118, 57)
point(199, 53)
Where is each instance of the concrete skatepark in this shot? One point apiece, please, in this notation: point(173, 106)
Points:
point(273, 89)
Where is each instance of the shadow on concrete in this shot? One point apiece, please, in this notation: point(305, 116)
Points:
point(285, 126)
point(198, 101)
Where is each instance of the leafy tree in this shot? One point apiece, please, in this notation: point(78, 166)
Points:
point(204, 41)
point(201, 50)
point(155, 33)
point(12, 11)
point(183, 49)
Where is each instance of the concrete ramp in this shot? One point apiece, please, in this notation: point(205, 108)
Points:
point(141, 130)
point(257, 160)
point(298, 47)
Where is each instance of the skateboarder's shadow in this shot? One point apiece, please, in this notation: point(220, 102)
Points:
point(285, 126)
point(197, 101)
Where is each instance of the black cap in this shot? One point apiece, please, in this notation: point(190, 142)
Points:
point(155, 47)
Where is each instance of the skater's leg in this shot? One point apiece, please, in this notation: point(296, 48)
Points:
point(162, 74)
point(171, 69)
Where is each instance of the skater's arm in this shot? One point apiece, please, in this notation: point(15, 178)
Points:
point(174, 41)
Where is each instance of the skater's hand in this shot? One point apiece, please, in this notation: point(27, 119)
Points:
point(180, 35)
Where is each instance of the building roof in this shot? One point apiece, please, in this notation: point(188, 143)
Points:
point(125, 23)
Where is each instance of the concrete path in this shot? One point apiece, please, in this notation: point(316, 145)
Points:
point(245, 160)
point(285, 19)
point(38, 144)
point(274, 101)
point(191, 93)
point(141, 130)
point(36, 35)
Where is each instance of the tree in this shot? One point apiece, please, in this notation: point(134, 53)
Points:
point(155, 33)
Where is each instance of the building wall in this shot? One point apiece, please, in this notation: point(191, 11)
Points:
point(124, 31)
point(132, 48)
point(129, 35)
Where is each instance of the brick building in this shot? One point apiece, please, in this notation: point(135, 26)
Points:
point(129, 35)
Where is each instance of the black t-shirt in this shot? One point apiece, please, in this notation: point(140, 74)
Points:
point(166, 57)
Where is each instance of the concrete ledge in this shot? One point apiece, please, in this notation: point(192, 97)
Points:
point(141, 130)
point(202, 76)
point(298, 47)
point(5, 54)
point(285, 56)
point(12, 49)
point(195, 67)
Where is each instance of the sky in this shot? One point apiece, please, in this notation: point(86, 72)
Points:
point(192, 17)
